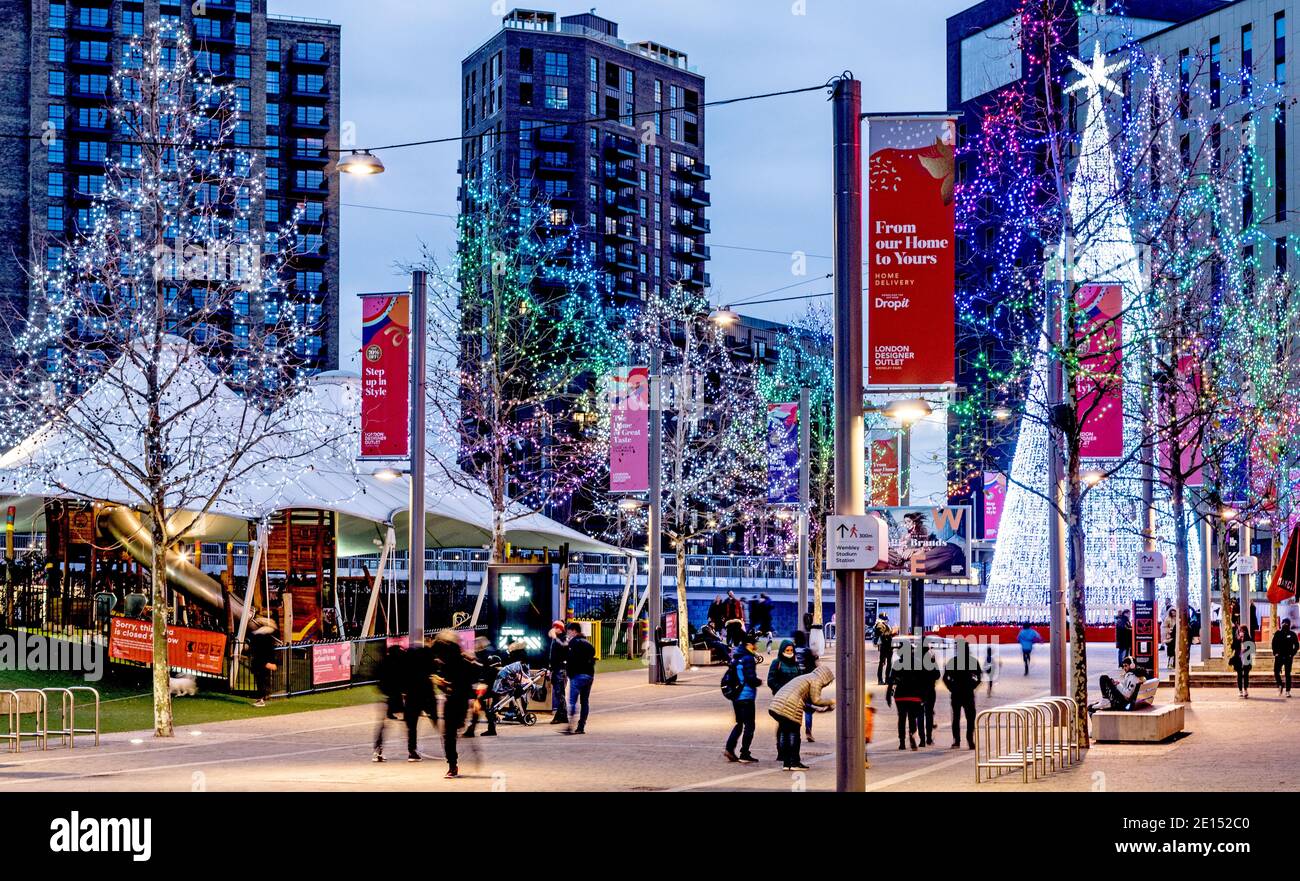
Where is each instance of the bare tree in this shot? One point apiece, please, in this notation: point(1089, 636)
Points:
point(520, 339)
point(158, 345)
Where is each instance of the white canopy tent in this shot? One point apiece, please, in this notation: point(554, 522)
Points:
point(308, 461)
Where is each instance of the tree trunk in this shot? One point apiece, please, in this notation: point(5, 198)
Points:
point(162, 694)
point(1182, 565)
point(1078, 602)
point(683, 621)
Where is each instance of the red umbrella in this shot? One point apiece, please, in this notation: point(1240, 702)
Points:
point(1282, 586)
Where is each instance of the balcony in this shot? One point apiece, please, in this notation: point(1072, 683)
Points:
point(697, 225)
point(550, 168)
point(311, 157)
point(694, 197)
point(621, 233)
point(619, 147)
point(623, 260)
point(696, 253)
point(303, 124)
point(86, 22)
point(221, 36)
point(698, 280)
point(621, 205)
point(623, 175)
point(558, 196)
point(559, 135)
point(303, 58)
point(695, 172)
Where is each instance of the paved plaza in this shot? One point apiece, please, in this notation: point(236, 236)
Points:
point(644, 738)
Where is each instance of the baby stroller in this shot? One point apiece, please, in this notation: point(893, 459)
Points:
point(515, 684)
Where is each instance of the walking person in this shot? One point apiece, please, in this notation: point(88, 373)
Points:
point(743, 674)
point(733, 611)
point(807, 660)
point(761, 613)
point(1123, 635)
point(389, 675)
point(417, 684)
point(991, 663)
point(487, 666)
point(455, 674)
point(785, 667)
point(905, 693)
point(716, 615)
point(1243, 659)
point(557, 657)
point(787, 708)
point(930, 684)
point(580, 667)
point(961, 676)
point(1285, 647)
point(1170, 631)
point(885, 635)
point(261, 657)
point(1028, 638)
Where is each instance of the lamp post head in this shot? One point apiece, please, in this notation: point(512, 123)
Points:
point(361, 163)
point(908, 412)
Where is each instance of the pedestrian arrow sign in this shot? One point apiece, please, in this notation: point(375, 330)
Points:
point(855, 543)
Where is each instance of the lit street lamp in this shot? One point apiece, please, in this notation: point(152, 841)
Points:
point(361, 163)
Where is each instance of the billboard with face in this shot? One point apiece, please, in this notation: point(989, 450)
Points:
point(925, 542)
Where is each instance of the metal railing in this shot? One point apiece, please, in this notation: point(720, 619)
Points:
point(1031, 737)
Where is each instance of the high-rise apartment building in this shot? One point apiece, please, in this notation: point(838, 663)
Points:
point(56, 61)
point(610, 133)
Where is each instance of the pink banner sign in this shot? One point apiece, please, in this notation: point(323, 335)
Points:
point(1100, 388)
point(385, 376)
point(629, 429)
point(331, 662)
point(1189, 425)
point(995, 496)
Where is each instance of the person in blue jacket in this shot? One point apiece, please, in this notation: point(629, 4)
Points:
point(745, 661)
point(1027, 638)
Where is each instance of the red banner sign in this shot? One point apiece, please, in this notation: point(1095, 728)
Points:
point(1100, 388)
point(911, 236)
point(884, 473)
point(995, 496)
point(629, 429)
point(385, 376)
point(331, 662)
point(131, 639)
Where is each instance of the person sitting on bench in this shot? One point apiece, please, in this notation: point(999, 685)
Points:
point(709, 638)
point(1119, 694)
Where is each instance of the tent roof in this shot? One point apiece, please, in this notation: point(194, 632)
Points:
point(307, 460)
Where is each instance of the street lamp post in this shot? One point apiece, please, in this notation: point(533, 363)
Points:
point(850, 595)
point(655, 570)
point(419, 370)
point(801, 576)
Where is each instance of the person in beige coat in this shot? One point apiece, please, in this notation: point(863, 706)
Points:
point(787, 708)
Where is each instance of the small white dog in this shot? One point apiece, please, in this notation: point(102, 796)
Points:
point(183, 685)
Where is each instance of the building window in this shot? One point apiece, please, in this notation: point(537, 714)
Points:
point(1184, 83)
point(1279, 162)
point(244, 70)
point(58, 16)
point(54, 218)
point(310, 82)
point(132, 23)
point(273, 50)
point(243, 34)
point(1279, 48)
point(54, 187)
point(58, 50)
point(57, 78)
point(557, 97)
point(557, 64)
point(1247, 59)
point(1216, 72)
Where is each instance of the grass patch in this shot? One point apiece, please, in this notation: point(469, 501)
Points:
point(130, 707)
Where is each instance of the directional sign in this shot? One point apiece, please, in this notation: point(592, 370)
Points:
point(1246, 565)
point(1151, 564)
point(855, 543)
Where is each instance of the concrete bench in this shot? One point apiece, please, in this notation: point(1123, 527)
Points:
point(703, 658)
point(1146, 725)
